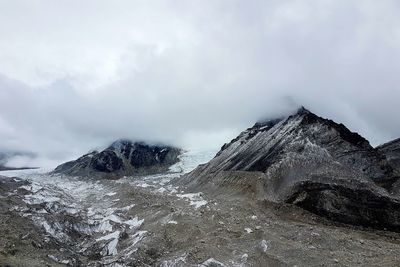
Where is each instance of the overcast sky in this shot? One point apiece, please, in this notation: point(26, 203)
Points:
point(75, 75)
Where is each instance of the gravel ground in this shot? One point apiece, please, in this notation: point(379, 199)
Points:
point(148, 221)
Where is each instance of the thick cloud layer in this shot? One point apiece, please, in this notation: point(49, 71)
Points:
point(75, 75)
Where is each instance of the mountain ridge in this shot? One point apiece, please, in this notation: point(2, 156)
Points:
point(121, 158)
point(290, 159)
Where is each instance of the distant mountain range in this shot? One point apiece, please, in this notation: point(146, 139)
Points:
point(5, 157)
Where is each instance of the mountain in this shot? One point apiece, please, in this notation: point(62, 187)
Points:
point(392, 152)
point(312, 162)
point(122, 158)
point(5, 157)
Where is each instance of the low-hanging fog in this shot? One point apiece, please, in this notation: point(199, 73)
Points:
point(76, 75)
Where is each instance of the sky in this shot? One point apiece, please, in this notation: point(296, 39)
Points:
point(76, 75)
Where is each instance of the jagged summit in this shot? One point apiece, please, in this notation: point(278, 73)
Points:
point(345, 133)
point(305, 159)
point(309, 117)
point(302, 110)
point(266, 142)
point(122, 157)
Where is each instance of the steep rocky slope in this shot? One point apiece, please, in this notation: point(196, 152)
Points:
point(123, 157)
point(312, 162)
point(392, 152)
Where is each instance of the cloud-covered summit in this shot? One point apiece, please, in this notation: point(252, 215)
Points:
point(76, 75)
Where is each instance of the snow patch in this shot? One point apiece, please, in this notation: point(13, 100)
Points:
point(195, 199)
point(134, 223)
point(264, 245)
point(161, 190)
point(248, 230)
point(111, 248)
point(34, 188)
point(137, 237)
point(113, 218)
point(144, 185)
point(126, 208)
point(109, 236)
point(212, 262)
point(180, 261)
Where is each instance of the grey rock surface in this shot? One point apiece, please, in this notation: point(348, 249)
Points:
point(312, 162)
point(392, 152)
point(122, 158)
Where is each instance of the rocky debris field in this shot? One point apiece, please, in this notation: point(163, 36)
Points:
point(150, 221)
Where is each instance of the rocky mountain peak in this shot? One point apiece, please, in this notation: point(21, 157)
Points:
point(305, 159)
point(301, 125)
point(123, 157)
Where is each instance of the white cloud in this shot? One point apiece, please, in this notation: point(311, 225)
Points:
point(78, 74)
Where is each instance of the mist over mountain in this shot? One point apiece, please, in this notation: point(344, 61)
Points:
point(199, 133)
point(190, 74)
point(14, 160)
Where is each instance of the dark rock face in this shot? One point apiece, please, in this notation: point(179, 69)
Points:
point(353, 204)
point(107, 161)
point(392, 152)
point(122, 158)
point(312, 162)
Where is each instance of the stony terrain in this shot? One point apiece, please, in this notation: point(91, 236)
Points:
point(59, 221)
point(122, 158)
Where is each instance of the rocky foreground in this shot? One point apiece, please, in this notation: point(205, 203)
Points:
point(147, 221)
